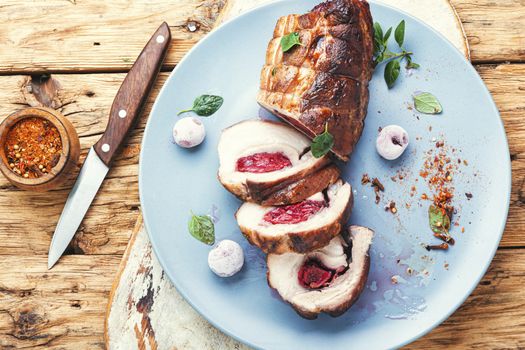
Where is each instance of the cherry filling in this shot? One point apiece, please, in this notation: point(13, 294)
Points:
point(295, 213)
point(314, 275)
point(263, 162)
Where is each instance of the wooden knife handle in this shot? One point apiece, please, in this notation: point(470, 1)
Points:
point(133, 94)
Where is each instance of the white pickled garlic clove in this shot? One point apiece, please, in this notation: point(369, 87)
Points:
point(189, 132)
point(392, 142)
point(226, 258)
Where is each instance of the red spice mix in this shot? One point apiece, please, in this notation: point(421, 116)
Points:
point(33, 147)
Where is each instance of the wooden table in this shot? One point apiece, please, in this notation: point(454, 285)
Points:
point(73, 55)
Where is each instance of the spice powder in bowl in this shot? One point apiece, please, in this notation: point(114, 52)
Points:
point(39, 148)
point(32, 147)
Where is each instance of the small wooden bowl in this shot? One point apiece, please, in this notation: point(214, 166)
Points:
point(68, 157)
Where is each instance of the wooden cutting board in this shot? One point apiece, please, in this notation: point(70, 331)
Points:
point(144, 310)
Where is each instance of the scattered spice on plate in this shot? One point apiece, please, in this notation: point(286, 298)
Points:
point(445, 237)
point(365, 179)
point(442, 246)
point(438, 171)
point(378, 187)
point(33, 147)
point(391, 207)
point(375, 184)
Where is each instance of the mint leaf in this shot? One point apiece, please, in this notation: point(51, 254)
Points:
point(202, 228)
point(378, 32)
point(393, 59)
point(378, 42)
point(205, 105)
point(387, 36)
point(438, 220)
point(427, 103)
point(392, 73)
point(399, 34)
point(323, 143)
point(289, 41)
point(412, 65)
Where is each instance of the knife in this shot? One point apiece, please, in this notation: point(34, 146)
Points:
point(124, 113)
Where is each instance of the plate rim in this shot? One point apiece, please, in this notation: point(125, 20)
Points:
point(488, 96)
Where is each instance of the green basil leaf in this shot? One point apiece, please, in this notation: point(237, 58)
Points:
point(289, 41)
point(378, 48)
point(438, 220)
point(400, 33)
point(274, 70)
point(205, 105)
point(202, 228)
point(392, 73)
point(387, 36)
point(378, 32)
point(412, 65)
point(323, 143)
point(378, 42)
point(427, 103)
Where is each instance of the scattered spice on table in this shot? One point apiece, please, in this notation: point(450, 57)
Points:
point(33, 147)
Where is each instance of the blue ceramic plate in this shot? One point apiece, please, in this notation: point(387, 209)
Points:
point(174, 181)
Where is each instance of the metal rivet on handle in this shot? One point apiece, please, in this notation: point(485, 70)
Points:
point(122, 113)
point(160, 39)
point(105, 148)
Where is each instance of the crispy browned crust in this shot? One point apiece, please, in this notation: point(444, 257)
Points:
point(299, 242)
point(258, 191)
point(303, 188)
point(337, 91)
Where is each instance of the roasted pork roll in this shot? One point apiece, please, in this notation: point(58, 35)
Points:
point(300, 227)
point(327, 280)
point(270, 163)
point(323, 78)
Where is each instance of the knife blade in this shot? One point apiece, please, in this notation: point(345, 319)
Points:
point(123, 115)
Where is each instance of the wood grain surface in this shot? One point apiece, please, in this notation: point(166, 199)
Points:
point(106, 36)
point(64, 307)
point(145, 311)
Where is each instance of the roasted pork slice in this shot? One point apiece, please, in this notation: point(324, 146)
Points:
point(270, 163)
point(327, 280)
point(324, 80)
point(300, 227)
